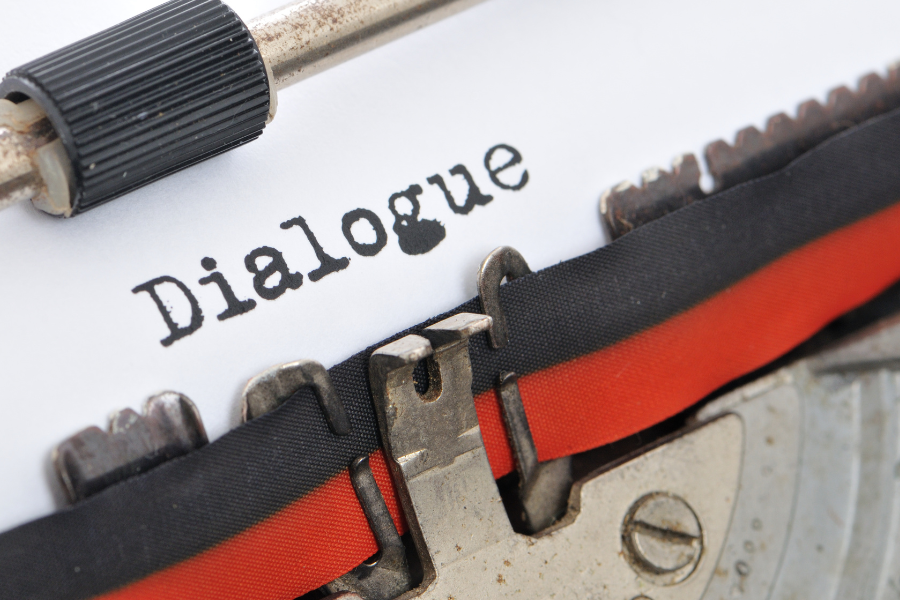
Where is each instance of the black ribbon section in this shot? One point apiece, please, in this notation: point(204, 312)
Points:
point(190, 504)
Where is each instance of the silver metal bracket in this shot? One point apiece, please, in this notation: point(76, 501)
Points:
point(437, 454)
point(673, 502)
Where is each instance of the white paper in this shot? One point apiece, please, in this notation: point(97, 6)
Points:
point(590, 93)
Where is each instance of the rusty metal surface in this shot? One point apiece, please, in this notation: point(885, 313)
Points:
point(388, 575)
point(92, 459)
point(23, 130)
point(626, 206)
point(756, 153)
point(753, 154)
point(307, 37)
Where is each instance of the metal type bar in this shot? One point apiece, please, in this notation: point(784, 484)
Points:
point(753, 154)
point(308, 37)
point(626, 206)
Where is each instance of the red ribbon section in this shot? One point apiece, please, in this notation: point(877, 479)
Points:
point(581, 404)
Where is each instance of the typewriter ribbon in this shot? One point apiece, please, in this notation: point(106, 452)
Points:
point(604, 345)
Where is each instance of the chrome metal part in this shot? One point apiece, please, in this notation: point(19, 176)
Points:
point(504, 262)
point(93, 459)
point(268, 390)
point(308, 37)
point(33, 164)
point(662, 538)
point(818, 514)
point(543, 487)
point(625, 206)
point(455, 513)
point(388, 576)
point(424, 445)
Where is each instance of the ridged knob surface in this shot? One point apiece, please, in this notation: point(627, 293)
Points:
point(156, 94)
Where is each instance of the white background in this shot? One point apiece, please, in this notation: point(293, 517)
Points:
point(590, 92)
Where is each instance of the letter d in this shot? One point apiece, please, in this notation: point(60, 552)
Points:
point(175, 331)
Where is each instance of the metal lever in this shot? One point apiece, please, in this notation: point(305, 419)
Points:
point(389, 575)
point(543, 486)
point(437, 454)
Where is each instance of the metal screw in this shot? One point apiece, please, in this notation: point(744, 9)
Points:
point(662, 538)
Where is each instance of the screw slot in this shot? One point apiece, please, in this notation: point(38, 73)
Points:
point(662, 538)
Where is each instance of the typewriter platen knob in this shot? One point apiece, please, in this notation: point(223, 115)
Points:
point(172, 87)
